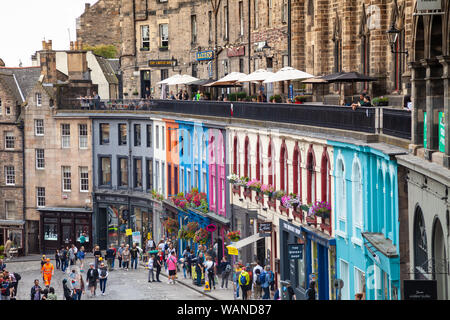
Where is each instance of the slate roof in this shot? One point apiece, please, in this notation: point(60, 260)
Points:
point(114, 64)
point(8, 80)
point(26, 78)
point(108, 70)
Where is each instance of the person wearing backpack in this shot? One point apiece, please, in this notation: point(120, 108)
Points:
point(209, 270)
point(257, 271)
point(310, 293)
point(244, 283)
point(265, 282)
point(226, 268)
point(63, 258)
point(103, 276)
point(67, 290)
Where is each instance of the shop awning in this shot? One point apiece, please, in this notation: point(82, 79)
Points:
point(65, 209)
point(245, 242)
point(319, 237)
point(381, 244)
point(15, 223)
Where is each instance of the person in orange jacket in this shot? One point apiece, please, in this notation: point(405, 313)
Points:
point(47, 272)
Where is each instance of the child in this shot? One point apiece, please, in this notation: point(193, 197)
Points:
point(150, 268)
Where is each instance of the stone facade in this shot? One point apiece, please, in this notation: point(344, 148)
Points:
point(100, 24)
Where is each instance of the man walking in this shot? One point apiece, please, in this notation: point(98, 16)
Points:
point(47, 272)
point(92, 277)
point(36, 291)
point(110, 256)
point(226, 268)
point(257, 270)
point(119, 254)
point(265, 276)
point(134, 252)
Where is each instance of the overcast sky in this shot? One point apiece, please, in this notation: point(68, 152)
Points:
point(25, 23)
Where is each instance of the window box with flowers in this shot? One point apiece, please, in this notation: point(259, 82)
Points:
point(259, 197)
point(234, 236)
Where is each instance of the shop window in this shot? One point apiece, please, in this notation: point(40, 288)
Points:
point(50, 229)
point(39, 127)
point(82, 226)
point(83, 136)
point(122, 134)
point(65, 135)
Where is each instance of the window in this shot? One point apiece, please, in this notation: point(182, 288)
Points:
point(164, 34)
point(193, 29)
point(256, 13)
point(38, 99)
point(225, 19)
point(285, 60)
point(123, 172)
point(357, 194)
point(345, 277)
point(163, 175)
point(196, 181)
point(149, 136)
point(325, 178)
point(241, 18)
point(284, 11)
point(360, 281)
point(175, 178)
point(297, 168)
point(247, 163)
point(157, 137)
point(82, 136)
point(259, 164)
point(9, 140)
point(341, 197)
point(204, 147)
point(311, 176)
point(271, 164)
point(284, 180)
point(137, 167)
point(67, 181)
point(10, 175)
point(149, 177)
point(40, 159)
point(40, 196)
point(105, 171)
point(156, 182)
point(84, 179)
point(169, 179)
point(188, 180)
point(181, 180)
point(241, 65)
point(137, 135)
point(122, 134)
point(11, 211)
point(8, 110)
point(145, 38)
point(204, 181)
point(163, 143)
point(269, 13)
point(210, 25)
point(39, 127)
point(65, 135)
point(104, 133)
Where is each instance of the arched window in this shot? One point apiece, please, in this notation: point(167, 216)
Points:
point(341, 196)
point(378, 218)
point(235, 156)
point(311, 176)
point(284, 170)
point(271, 165)
point(297, 171)
point(247, 162)
point(325, 177)
point(259, 163)
point(204, 147)
point(195, 145)
point(388, 210)
point(357, 198)
point(420, 246)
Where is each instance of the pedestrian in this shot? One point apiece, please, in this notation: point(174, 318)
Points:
point(186, 254)
point(119, 254)
point(47, 272)
point(134, 253)
point(126, 257)
point(76, 285)
point(7, 249)
point(209, 271)
point(83, 239)
point(249, 269)
point(103, 276)
point(16, 278)
point(63, 258)
point(44, 294)
point(151, 262)
point(5, 286)
point(2, 265)
point(225, 268)
point(199, 268)
point(244, 283)
point(188, 261)
point(110, 256)
point(172, 267)
point(97, 255)
point(92, 277)
point(72, 255)
point(36, 291)
point(81, 256)
point(51, 294)
point(57, 260)
point(43, 260)
point(265, 282)
point(310, 294)
point(158, 264)
point(257, 290)
point(67, 290)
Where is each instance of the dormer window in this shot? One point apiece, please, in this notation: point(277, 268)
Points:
point(38, 99)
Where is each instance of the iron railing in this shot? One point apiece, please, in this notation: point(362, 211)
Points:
point(396, 122)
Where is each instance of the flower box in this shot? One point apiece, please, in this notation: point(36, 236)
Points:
point(236, 190)
point(283, 209)
point(248, 193)
point(259, 197)
point(272, 203)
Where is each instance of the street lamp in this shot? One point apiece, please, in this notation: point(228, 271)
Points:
point(393, 38)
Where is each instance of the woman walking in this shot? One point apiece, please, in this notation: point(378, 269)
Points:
point(103, 276)
point(92, 277)
point(126, 255)
point(57, 260)
point(81, 255)
point(158, 264)
point(209, 270)
point(172, 267)
point(97, 255)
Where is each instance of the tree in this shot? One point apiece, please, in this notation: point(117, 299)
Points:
point(103, 50)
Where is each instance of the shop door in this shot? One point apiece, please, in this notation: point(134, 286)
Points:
point(322, 254)
point(145, 84)
point(261, 250)
point(2, 237)
point(67, 237)
point(102, 229)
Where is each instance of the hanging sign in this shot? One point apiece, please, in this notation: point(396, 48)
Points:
point(232, 251)
point(136, 236)
point(204, 55)
point(236, 52)
point(441, 131)
point(211, 228)
point(161, 63)
point(129, 232)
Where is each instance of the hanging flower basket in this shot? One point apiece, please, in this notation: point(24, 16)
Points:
point(234, 236)
point(191, 229)
point(171, 225)
point(201, 236)
point(183, 234)
point(320, 209)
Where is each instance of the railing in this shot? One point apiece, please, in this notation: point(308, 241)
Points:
point(397, 123)
point(392, 122)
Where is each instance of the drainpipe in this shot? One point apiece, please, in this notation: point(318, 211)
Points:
point(249, 46)
point(22, 130)
point(289, 34)
point(130, 174)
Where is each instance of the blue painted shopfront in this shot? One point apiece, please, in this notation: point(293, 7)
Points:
point(366, 208)
point(184, 217)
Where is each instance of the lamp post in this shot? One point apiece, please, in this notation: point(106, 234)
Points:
point(393, 38)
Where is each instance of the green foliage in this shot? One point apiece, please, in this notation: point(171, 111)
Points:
point(300, 98)
point(103, 50)
point(277, 98)
point(380, 101)
point(236, 96)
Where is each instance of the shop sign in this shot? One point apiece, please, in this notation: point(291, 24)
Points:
point(204, 55)
point(265, 229)
point(441, 131)
point(232, 251)
point(423, 5)
point(136, 236)
point(236, 52)
point(420, 289)
point(161, 63)
point(292, 228)
point(129, 232)
point(295, 251)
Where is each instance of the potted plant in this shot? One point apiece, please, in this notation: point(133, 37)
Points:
point(380, 101)
point(321, 209)
point(191, 228)
point(163, 48)
point(300, 99)
point(135, 93)
point(275, 98)
point(234, 236)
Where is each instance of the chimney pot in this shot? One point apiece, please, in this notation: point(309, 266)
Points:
point(49, 46)
point(71, 46)
point(44, 45)
point(87, 6)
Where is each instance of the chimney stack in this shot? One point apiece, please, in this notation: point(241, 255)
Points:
point(76, 61)
point(86, 6)
point(48, 62)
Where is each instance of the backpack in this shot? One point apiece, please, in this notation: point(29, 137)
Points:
point(228, 268)
point(258, 277)
point(244, 278)
point(103, 272)
point(17, 276)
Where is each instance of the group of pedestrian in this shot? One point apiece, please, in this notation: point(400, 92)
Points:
point(68, 256)
point(9, 282)
point(257, 280)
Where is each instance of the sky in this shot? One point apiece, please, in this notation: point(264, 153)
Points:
point(25, 23)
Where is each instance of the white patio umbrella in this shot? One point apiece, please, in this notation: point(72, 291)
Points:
point(229, 79)
point(165, 81)
point(182, 79)
point(258, 76)
point(288, 73)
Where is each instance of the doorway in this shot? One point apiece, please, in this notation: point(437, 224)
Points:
point(66, 233)
point(261, 250)
point(322, 253)
point(102, 228)
point(145, 84)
